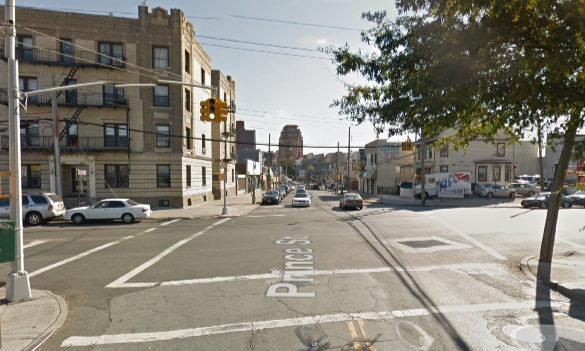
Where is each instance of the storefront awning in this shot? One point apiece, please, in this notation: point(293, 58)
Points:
point(363, 174)
point(371, 174)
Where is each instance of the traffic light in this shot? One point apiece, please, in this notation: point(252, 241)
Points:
point(212, 107)
point(204, 110)
point(407, 146)
point(222, 111)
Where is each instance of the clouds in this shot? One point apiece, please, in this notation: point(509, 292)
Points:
point(322, 41)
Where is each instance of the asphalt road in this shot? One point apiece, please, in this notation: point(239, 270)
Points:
point(382, 278)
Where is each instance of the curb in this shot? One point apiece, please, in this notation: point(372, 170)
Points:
point(48, 333)
point(556, 286)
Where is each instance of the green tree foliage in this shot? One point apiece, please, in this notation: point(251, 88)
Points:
point(289, 167)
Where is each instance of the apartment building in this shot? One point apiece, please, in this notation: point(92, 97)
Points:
point(224, 138)
point(290, 143)
point(145, 143)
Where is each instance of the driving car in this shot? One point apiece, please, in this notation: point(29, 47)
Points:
point(315, 187)
point(301, 199)
point(282, 192)
point(351, 200)
point(541, 200)
point(36, 208)
point(578, 198)
point(109, 209)
point(271, 197)
point(301, 191)
point(497, 190)
point(527, 190)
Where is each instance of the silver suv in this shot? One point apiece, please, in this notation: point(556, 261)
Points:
point(36, 208)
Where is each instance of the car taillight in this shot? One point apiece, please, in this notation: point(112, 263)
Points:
point(145, 210)
point(50, 207)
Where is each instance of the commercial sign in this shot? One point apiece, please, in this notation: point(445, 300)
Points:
point(389, 152)
point(452, 193)
point(81, 171)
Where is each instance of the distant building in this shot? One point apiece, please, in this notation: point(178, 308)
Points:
point(246, 138)
point(290, 143)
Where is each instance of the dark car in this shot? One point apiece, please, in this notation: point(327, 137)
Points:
point(315, 187)
point(541, 200)
point(271, 197)
point(578, 198)
point(351, 200)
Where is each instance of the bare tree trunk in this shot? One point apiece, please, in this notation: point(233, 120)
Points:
point(550, 227)
point(540, 161)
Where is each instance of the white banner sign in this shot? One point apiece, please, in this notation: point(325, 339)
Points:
point(452, 193)
point(389, 152)
point(81, 171)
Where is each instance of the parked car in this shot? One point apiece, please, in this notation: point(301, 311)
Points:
point(271, 197)
point(109, 209)
point(36, 208)
point(497, 190)
point(542, 200)
point(315, 187)
point(282, 192)
point(476, 188)
point(351, 200)
point(399, 186)
point(406, 189)
point(578, 198)
point(527, 190)
point(301, 199)
point(528, 179)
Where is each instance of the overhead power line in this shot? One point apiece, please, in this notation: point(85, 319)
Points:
point(256, 43)
point(265, 52)
point(296, 23)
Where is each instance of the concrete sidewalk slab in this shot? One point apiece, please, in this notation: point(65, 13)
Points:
point(471, 201)
point(237, 206)
point(30, 322)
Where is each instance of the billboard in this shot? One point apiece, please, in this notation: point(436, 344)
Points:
point(389, 152)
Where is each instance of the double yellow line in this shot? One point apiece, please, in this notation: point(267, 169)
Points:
point(354, 336)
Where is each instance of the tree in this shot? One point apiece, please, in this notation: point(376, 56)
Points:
point(478, 67)
point(289, 167)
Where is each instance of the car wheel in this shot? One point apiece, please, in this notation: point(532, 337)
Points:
point(78, 218)
point(34, 218)
point(543, 205)
point(530, 194)
point(490, 195)
point(566, 205)
point(127, 218)
point(512, 195)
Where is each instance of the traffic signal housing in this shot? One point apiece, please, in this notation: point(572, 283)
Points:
point(204, 110)
point(222, 111)
point(407, 146)
point(212, 115)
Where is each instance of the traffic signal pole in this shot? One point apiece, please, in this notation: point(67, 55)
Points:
point(18, 283)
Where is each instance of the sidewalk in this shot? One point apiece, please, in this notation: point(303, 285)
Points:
point(29, 323)
point(237, 206)
point(471, 201)
point(567, 273)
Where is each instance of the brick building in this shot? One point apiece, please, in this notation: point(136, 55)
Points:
point(145, 143)
point(290, 144)
point(246, 138)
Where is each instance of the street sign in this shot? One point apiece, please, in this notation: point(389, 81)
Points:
point(81, 171)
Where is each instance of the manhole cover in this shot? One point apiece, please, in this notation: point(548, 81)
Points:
point(295, 229)
point(423, 244)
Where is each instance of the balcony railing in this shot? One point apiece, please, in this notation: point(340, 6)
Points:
point(71, 143)
point(73, 99)
point(80, 58)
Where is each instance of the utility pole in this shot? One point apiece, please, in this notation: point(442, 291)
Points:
point(422, 169)
point(337, 173)
point(269, 187)
point(18, 283)
point(414, 170)
point(224, 212)
point(57, 163)
point(348, 156)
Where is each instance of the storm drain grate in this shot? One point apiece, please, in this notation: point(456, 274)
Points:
point(423, 244)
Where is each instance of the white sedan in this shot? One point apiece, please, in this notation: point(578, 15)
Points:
point(124, 209)
point(301, 199)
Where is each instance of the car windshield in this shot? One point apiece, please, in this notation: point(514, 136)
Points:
point(352, 196)
point(272, 192)
point(54, 198)
point(580, 192)
point(301, 195)
point(542, 196)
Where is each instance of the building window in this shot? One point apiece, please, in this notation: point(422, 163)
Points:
point(376, 158)
point(430, 153)
point(497, 173)
point(187, 100)
point(116, 135)
point(188, 138)
point(188, 175)
point(506, 173)
point(112, 95)
point(187, 62)
point(224, 97)
point(71, 94)
point(161, 96)
point(203, 143)
point(111, 54)
point(29, 134)
point(445, 151)
point(202, 76)
point(444, 169)
point(163, 176)
point(66, 51)
point(160, 57)
point(501, 150)
point(30, 176)
point(203, 176)
point(72, 138)
point(24, 50)
point(482, 174)
point(163, 138)
point(163, 203)
point(28, 84)
point(117, 176)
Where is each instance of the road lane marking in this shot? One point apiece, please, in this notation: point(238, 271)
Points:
point(71, 259)
point(34, 243)
point(363, 331)
point(78, 341)
point(485, 248)
point(277, 274)
point(356, 344)
point(570, 243)
point(169, 222)
point(120, 283)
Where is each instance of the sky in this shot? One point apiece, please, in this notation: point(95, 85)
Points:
point(271, 90)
